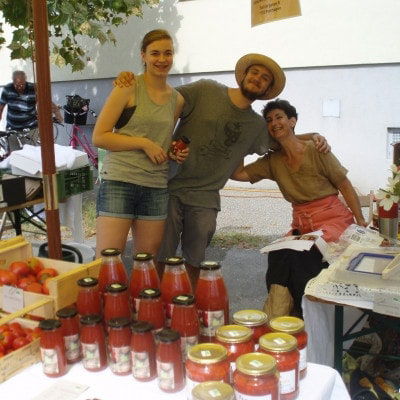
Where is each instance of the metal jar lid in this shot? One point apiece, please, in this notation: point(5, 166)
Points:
point(167, 335)
point(207, 353)
point(287, 324)
point(233, 334)
point(149, 293)
point(213, 390)
point(49, 324)
point(210, 265)
point(142, 327)
point(250, 317)
point(119, 322)
point(91, 319)
point(277, 342)
point(256, 364)
point(183, 300)
point(110, 252)
point(142, 256)
point(88, 281)
point(174, 260)
point(116, 287)
point(67, 312)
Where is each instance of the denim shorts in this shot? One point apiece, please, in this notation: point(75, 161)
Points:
point(128, 200)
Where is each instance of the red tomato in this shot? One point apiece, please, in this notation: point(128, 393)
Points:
point(34, 287)
point(19, 342)
point(16, 329)
point(20, 268)
point(23, 283)
point(46, 273)
point(7, 338)
point(7, 278)
point(35, 264)
point(45, 286)
point(2, 348)
point(4, 328)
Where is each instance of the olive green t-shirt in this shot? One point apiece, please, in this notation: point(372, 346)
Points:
point(318, 176)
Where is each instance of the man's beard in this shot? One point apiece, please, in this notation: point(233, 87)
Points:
point(251, 95)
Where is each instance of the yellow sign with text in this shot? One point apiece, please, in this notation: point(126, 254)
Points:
point(263, 11)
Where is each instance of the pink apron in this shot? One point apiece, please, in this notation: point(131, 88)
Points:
point(328, 214)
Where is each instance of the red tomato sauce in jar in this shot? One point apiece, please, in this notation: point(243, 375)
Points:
point(70, 329)
point(212, 301)
point(294, 326)
point(283, 347)
point(175, 281)
point(119, 346)
point(89, 297)
point(93, 343)
point(52, 348)
point(116, 302)
point(185, 321)
point(256, 320)
point(237, 340)
point(112, 269)
point(205, 362)
point(256, 375)
point(144, 275)
point(170, 370)
point(151, 308)
point(143, 352)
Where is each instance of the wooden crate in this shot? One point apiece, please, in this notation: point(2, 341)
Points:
point(63, 289)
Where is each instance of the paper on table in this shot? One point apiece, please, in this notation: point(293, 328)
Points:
point(62, 390)
point(13, 299)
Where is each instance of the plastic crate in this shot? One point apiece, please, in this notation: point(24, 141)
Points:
point(74, 181)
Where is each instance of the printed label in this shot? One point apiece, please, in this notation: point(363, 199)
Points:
point(91, 355)
point(72, 347)
point(210, 321)
point(166, 378)
point(140, 364)
point(49, 360)
point(287, 381)
point(241, 396)
point(303, 359)
point(232, 369)
point(120, 361)
point(186, 343)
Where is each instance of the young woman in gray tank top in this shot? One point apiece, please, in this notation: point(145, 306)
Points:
point(135, 127)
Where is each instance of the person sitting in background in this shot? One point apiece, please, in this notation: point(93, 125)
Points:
point(310, 180)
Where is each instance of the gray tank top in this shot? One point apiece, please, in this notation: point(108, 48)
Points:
point(150, 120)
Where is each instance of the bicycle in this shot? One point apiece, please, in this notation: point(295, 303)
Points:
point(76, 111)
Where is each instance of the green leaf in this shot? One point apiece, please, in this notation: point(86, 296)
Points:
point(77, 65)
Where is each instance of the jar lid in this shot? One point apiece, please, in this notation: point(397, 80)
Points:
point(119, 322)
point(250, 317)
point(174, 260)
point(287, 324)
point(149, 293)
point(88, 281)
point(167, 336)
point(49, 324)
point(256, 364)
point(90, 319)
point(142, 327)
point(277, 342)
point(142, 256)
point(213, 390)
point(110, 252)
point(210, 265)
point(67, 312)
point(233, 333)
point(185, 139)
point(207, 353)
point(116, 287)
point(183, 299)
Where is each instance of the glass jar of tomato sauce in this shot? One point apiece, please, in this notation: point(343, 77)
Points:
point(256, 377)
point(143, 352)
point(119, 345)
point(175, 281)
point(144, 275)
point(89, 297)
point(205, 362)
point(256, 320)
point(116, 302)
point(151, 308)
point(283, 347)
point(52, 348)
point(170, 370)
point(237, 340)
point(112, 269)
point(293, 326)
point(212, 301)
point(213, 390)
point(70, 329)
point(186, 321)
point(93, 343)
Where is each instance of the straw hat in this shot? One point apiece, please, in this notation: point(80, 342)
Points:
point(258, 59)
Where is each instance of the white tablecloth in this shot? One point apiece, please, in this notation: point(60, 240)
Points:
point(321, 383)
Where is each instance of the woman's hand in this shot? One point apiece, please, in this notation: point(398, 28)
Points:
point(124, 79)
point(361, 221)
point(180, 155)
point(321, 144)
point(156, 154)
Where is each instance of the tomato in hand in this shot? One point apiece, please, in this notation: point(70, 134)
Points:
point(7, 278)
point(20, 269)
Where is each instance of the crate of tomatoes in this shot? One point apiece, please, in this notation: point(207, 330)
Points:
point(41, 278)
